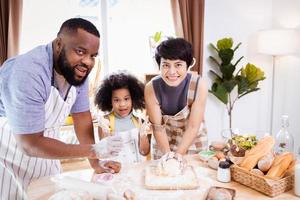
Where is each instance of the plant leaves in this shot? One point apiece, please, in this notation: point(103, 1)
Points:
point(226, 55)
point(215, 74)
point(213, 47)
point(242, 84)
point(214, 60)
point(252, 90)
point(227, 71)
point(225, 43)
point(157, 36)
point(229, 85)
point(220, 92)
point(252, 73)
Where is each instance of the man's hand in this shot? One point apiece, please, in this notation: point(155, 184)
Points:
point(104, 125)
point(107, 147)
point(107, 166)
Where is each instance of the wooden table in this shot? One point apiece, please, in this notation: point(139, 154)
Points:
point(132, 177)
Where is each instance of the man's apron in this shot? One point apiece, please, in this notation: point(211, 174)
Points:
point(175, 126)
point(17, 169)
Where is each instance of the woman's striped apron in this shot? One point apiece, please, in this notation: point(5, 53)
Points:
point(17, 170)
point(175, 125)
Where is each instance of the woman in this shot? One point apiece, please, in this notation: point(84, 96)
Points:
point(175, 101)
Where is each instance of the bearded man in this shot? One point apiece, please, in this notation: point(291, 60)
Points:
point(38, 90)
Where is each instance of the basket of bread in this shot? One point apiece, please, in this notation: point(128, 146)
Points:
point(262, 170)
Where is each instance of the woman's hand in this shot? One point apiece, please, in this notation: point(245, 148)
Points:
point(145, 127)
point(173, 155)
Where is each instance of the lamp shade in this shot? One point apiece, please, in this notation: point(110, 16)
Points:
point(278, 42)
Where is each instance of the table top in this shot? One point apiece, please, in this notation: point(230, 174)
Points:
point(132, 177)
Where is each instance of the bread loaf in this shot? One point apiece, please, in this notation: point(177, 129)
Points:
point(263, 147)
point(257, 172)
point(265, 163)
point(280, 165)
point(291, 169)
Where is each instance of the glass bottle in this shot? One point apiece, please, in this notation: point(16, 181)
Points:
point(284, 140)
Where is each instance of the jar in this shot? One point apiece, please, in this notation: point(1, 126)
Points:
point(223, 174)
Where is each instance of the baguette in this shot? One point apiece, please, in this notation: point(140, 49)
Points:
point(280, 165)
point(263, 147)
point(291, 169)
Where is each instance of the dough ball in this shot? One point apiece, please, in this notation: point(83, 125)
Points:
point(169, 168)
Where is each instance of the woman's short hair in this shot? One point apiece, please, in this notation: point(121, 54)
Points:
point(173, 49)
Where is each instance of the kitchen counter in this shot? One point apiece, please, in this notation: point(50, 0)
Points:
point(132, 176)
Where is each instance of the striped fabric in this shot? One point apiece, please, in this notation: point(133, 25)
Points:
point(175, 125)
point(17, 170)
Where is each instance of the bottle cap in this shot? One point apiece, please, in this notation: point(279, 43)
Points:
point(224, 164)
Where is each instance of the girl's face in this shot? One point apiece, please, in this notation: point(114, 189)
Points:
point(173, 72)
point(121, 102)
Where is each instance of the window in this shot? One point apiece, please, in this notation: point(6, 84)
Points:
point(125, 27)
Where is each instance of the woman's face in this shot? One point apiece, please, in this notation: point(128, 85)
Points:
point(121, 102)
point(173, 72)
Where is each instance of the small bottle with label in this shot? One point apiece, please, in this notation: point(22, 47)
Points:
point(223, 174)
point(284, 141)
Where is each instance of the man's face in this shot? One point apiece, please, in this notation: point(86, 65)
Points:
point(77, 57)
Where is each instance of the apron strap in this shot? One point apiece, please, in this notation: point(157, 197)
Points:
point(193, 87)
point(135, 122)
point(111, 118)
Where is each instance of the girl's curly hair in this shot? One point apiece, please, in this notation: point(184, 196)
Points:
point(119, 80)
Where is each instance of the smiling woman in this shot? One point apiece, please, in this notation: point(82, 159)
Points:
point(176, 119)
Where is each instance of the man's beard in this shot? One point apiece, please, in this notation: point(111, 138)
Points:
point(68, 71)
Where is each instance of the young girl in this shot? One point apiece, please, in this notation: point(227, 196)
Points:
point(120, 96)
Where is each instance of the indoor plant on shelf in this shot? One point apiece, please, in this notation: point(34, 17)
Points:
point(229, 86)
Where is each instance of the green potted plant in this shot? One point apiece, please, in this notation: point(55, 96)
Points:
point(245, 80)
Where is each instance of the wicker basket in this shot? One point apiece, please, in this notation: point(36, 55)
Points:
point(267, 186)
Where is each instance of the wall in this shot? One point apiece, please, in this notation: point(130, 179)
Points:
point(241, 20)
point(287, 71)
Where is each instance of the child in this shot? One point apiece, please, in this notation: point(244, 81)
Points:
point(120, 95)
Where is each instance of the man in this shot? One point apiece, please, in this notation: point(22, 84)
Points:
point(38, 90)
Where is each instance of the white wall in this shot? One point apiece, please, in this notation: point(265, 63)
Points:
point(241, 20)
point(287, 71)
